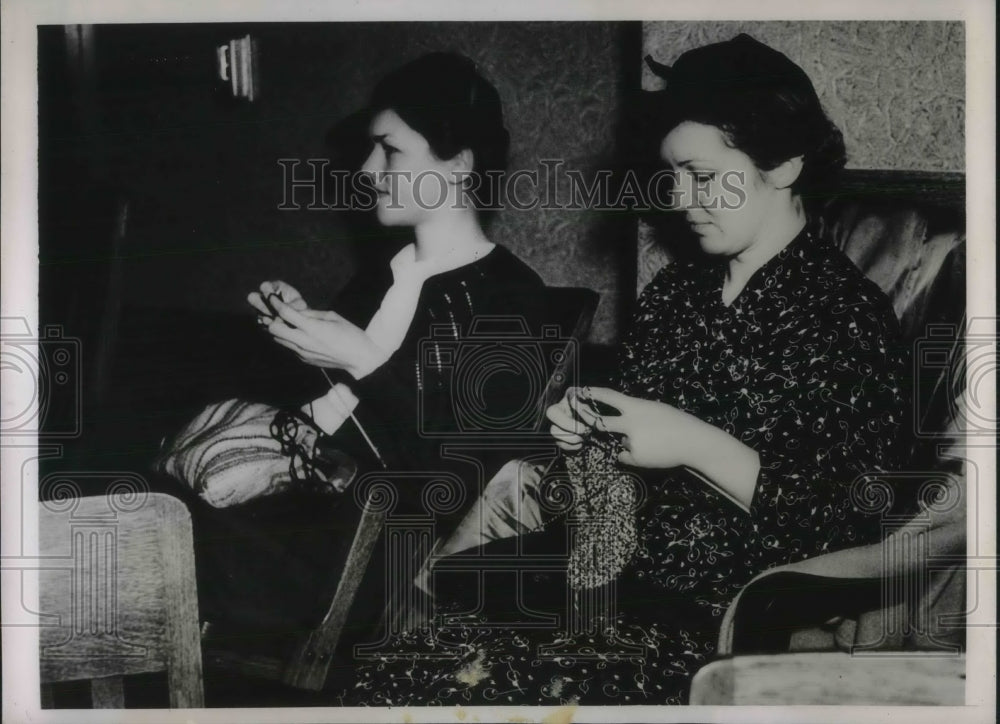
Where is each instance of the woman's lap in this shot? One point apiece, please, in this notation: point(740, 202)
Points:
point(471, 663)
point(472, 657)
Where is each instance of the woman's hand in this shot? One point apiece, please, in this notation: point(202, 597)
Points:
point(657, 435)
point(325, 339)
point(284, 291)
point(654, 434)
point(567, 429)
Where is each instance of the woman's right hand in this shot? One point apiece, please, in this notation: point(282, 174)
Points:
point(567, 428)
point(286, 292)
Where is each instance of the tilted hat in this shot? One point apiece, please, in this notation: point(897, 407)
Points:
point(738, 66)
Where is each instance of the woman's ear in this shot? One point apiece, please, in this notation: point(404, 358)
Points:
point(785, 174)
point(461, 165)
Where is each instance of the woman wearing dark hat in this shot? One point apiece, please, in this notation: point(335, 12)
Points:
point(759, 387)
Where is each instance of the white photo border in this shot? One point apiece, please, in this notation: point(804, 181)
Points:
point(19, 239)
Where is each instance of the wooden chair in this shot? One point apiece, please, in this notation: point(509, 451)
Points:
point(118, 596)
point(309, 664)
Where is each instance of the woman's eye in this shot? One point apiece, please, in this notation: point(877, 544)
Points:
point(704, 177)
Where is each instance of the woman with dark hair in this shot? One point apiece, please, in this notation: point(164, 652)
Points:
point(760, 387)
point(269, 561)
point(436, 124)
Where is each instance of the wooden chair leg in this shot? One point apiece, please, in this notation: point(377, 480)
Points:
point(184, 668)
point(107, 693)
point(185, 682)
point(310, 663)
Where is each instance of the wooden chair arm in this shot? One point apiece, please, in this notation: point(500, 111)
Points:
point(816, 589)
point(831, 679)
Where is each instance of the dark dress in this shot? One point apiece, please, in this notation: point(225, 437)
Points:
point(267, 568)
point(807, 368)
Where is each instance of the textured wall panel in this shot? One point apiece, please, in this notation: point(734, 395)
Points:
point(895, 89)
point(561, 87)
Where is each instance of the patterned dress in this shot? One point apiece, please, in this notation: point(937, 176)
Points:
point(807, 368)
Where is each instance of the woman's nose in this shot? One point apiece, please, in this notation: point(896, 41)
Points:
point(373, 164)
point(689, 194)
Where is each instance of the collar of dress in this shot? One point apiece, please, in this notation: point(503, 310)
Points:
point(780, 266)
point(407, 270)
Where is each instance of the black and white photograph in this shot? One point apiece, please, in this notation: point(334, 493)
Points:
point(588, 362)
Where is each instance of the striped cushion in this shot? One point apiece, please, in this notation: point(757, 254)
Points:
point(228, 456)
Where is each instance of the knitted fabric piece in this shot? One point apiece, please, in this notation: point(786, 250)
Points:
point(603, 519)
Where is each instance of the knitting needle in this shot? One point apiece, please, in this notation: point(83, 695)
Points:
point(357, 424)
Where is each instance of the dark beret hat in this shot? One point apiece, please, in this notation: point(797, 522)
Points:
point(739, 66)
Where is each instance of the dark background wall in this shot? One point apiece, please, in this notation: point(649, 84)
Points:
point(146, 123)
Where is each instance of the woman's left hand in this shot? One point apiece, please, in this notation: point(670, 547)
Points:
point(325, 339)
point(654, 434)
point(658, 436)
